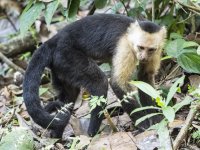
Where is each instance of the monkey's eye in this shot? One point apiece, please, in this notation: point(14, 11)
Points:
point(141, 47)
point(152, 49)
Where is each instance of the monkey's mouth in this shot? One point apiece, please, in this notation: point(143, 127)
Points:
point(143, 61)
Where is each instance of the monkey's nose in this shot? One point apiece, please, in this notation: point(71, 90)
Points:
point(142, 58)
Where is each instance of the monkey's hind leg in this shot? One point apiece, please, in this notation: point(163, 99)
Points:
point(97, 85)
point(95, 81)
point(66, 94)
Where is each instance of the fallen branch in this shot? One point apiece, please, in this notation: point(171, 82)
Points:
point(11, 64)
point(18, 45)
point(184, 130)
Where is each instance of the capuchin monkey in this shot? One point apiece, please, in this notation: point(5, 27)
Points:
point(71, 55)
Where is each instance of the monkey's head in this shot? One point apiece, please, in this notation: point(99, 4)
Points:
point(146, 39)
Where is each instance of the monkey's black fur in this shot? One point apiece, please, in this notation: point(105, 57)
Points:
point(70, 55)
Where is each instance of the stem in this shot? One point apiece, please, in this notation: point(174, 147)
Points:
point(106, 114)
point(153, 11)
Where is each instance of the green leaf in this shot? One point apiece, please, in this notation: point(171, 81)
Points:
point(29, 17)
point(93, 107)
point(98, 103)
point(141, 3)
point(159, 102)
point(116, 7)
point(172, 47)
point(146, 117)
point(175, 36)
point(169, 113)
point(195, 92)
point(144, 108)
point(42, 91)
point(73, 8)
point(146, 88)
point(135, 12)
point(103, 100)
point(186, 55)
point(174, 89)
point(190, 44)
point(100, 3)
point(105, 67)
point(28, 6)
point(187, 100)
point(18, 139)
point(189, 61)
point(166, 57)
point(50, 10)
point(163, 135)
point(198, 50)
point(19, 99)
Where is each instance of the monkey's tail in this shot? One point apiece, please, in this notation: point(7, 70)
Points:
point(41, 58)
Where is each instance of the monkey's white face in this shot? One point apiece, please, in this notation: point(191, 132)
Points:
point(144, 53)
point(145, 44)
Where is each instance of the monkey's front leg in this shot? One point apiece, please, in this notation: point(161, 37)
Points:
point(148, 77)
point(129, 106)
point(146, 74)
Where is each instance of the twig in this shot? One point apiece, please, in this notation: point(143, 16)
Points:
point(114, 128)
point(13, 114)
point(6, 122)
point(189, 16)
point(122, 1)
point(10, 63)
point(11, 22)
point(184, 130)
point(197, 9)
point(153, 11)
point(168, 76)
point(1, 136)
point(92, 9)
point(198, 13)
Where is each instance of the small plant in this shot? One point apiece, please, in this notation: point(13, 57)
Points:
point(100, 101)
point(97, 101)
point(196, 136)
point(163, 106)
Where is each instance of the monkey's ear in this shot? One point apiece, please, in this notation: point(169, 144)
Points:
point(164, 32)
point(137, 23)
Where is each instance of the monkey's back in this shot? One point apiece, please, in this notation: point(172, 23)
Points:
point(96, 36)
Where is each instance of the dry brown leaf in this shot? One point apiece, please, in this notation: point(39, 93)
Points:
point(25, 115)
point(117, 141)
point(195, 81)
point(177, 123)
point(2, 106)
point(84, 141)
point(16, 90)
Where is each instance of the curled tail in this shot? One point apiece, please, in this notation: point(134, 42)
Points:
point(41, 58)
